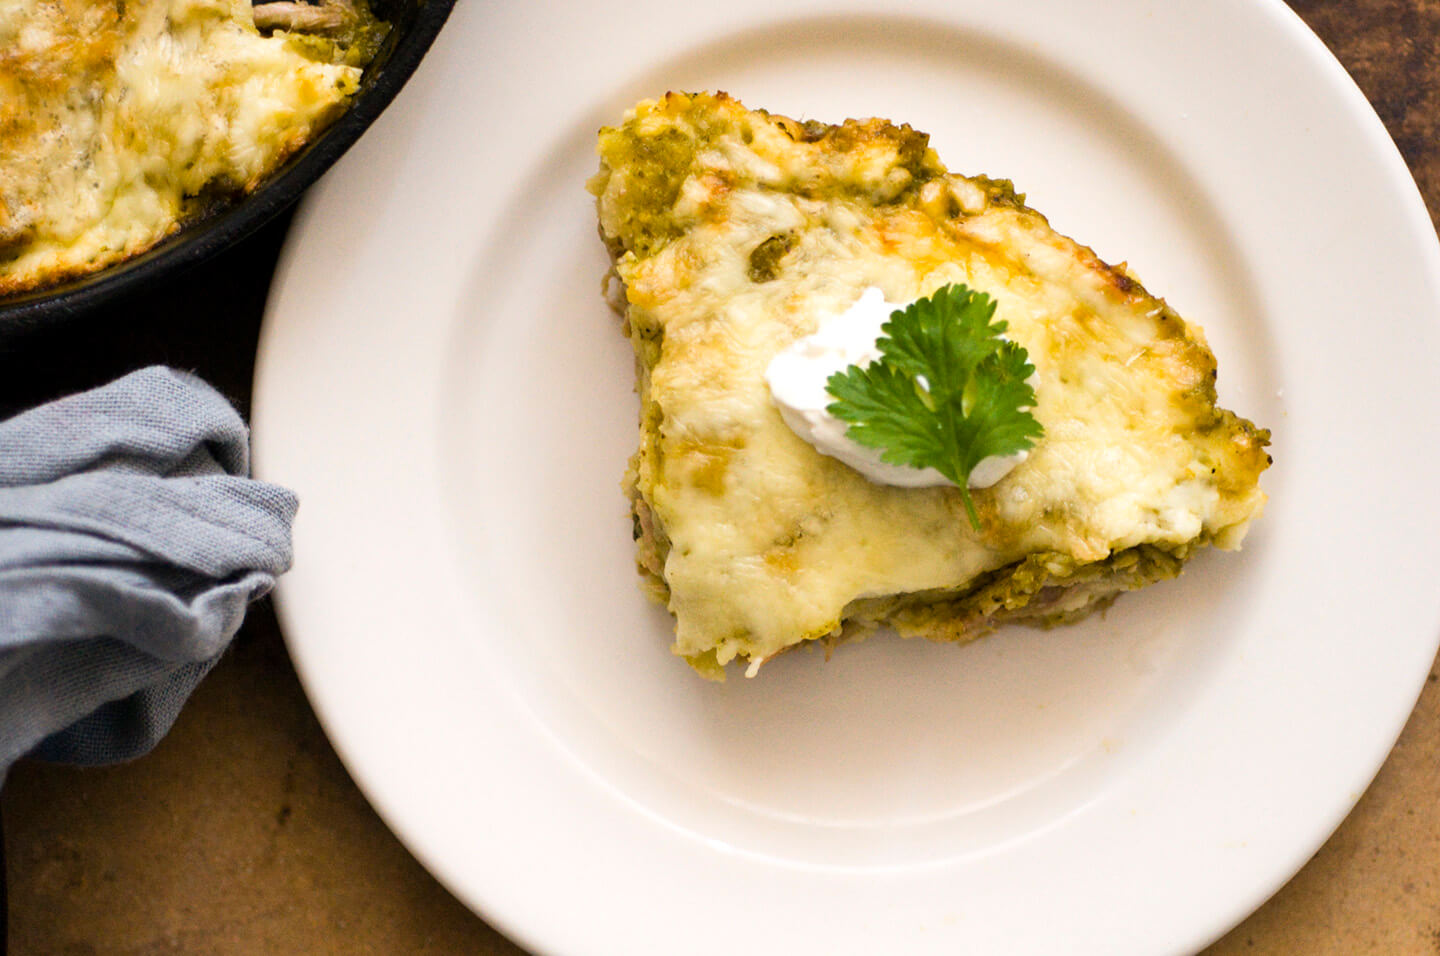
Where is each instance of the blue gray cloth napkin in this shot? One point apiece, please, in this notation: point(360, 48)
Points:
point(131, 542)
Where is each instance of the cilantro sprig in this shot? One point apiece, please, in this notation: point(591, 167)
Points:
point(947, 391)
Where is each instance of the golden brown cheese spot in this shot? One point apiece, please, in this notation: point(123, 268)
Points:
point(702, 463)
point(783, 561)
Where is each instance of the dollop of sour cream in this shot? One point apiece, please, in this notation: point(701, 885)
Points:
point(797, 378)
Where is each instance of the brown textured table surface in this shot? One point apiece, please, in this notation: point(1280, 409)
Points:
point(243, 834)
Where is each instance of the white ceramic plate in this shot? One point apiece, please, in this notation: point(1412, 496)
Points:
point(441, 382)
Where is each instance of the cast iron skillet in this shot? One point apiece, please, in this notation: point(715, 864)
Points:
point(413, 26)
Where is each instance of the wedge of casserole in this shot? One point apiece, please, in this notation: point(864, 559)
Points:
point(733, 231)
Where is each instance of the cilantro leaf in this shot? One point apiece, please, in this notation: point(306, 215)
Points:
point(947, 391)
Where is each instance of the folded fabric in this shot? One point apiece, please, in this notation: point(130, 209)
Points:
point(131, 542)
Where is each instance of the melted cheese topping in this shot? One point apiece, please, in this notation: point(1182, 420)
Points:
point(734, 230)
point(119, 118)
